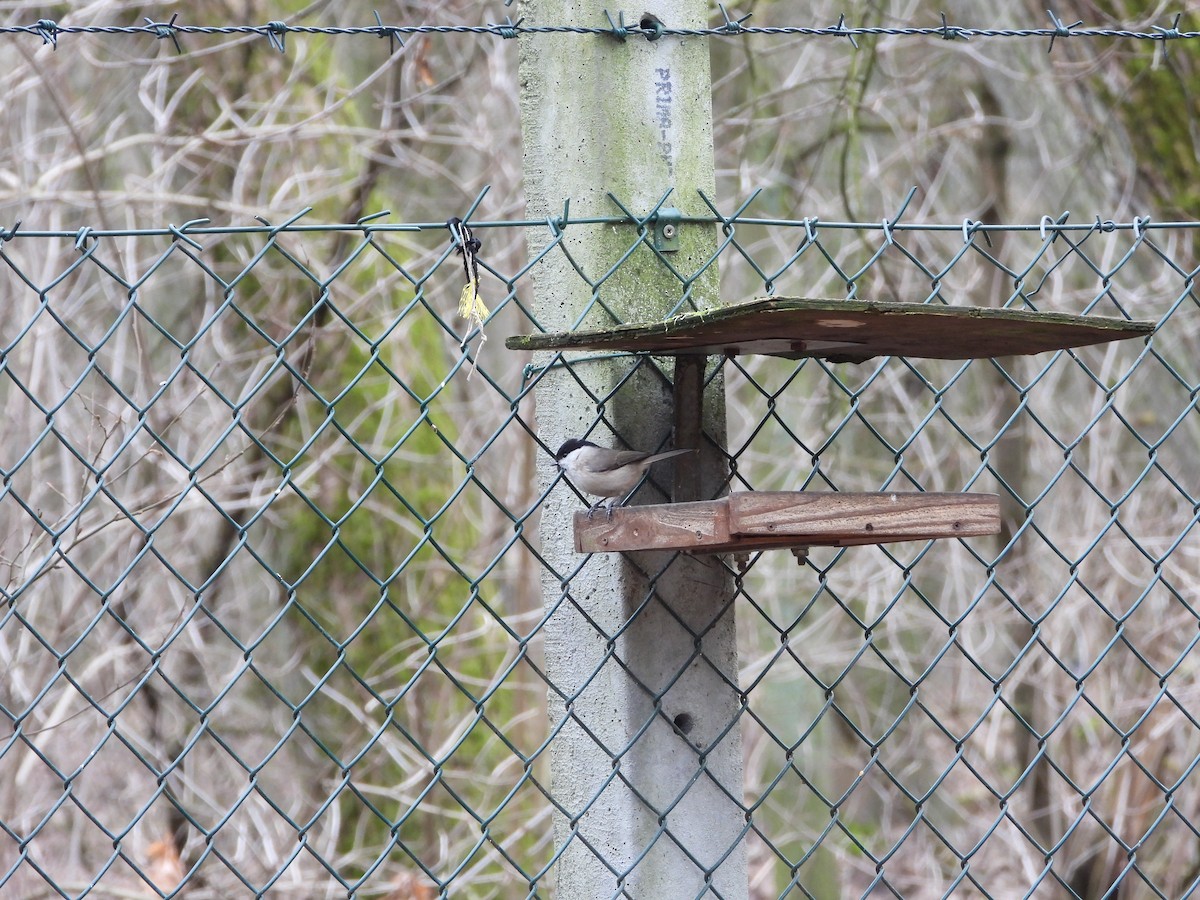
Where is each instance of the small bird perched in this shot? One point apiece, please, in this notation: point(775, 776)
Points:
point(607, 474)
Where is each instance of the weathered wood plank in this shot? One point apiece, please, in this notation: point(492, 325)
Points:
point(863, 517)
point(849, 331)
point(665, 526)
point(766, 520)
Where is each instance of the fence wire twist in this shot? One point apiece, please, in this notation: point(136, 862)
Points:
point(271, 573)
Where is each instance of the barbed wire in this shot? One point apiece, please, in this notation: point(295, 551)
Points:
point(1048, 225)
point(647, 26)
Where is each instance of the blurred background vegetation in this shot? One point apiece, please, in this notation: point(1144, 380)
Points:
point(296, 633)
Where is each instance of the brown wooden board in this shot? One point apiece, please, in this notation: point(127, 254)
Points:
point(764, 520)
point(849, 331)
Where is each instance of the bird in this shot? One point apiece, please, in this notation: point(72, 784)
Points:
point(604, 473)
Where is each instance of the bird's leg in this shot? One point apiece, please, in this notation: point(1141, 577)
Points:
point(609, 506)
point(595, 506)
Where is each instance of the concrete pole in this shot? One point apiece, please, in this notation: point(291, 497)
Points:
point(641, 649)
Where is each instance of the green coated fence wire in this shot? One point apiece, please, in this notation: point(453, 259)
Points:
point(271, 569)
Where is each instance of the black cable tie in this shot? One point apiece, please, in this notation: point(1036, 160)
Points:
point(391, 32)
point(48, 31)
point(1060, 30)
point(165, 30)
point(462, 238)
point(276, 33)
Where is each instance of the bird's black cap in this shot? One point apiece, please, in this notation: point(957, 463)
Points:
point(571, 446)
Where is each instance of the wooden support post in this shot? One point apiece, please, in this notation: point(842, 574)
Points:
point(688, 395)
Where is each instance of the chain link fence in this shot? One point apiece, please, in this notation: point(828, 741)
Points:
point(282, 592)
point(271, 570)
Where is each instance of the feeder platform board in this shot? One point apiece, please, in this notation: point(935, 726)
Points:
point(749, 521)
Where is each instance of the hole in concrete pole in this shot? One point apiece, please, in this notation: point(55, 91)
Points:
point(684, 722)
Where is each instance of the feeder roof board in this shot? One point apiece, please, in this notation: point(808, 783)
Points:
point(848, 331)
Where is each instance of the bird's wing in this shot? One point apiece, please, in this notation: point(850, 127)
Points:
point(619, 458)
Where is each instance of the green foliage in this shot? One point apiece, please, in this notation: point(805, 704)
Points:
point(1157, 98)
point(374, 495)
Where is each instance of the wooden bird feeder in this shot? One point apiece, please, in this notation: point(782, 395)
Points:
point(848, 331)
point(838, 331)
point(747, 521)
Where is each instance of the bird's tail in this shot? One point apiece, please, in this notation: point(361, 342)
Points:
point(657, 456)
